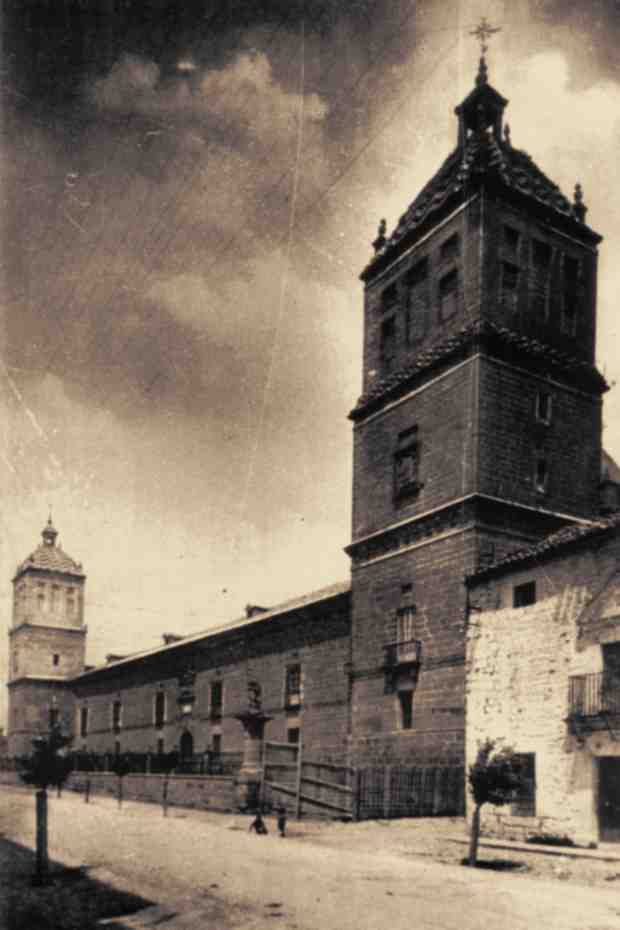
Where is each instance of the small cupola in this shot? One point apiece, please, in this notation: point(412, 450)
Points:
point(49, 533)
point(483, 108)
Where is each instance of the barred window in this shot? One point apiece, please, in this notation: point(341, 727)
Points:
point(293, 691)
point(524, 803)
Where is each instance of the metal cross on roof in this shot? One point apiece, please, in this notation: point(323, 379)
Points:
point(483, 31)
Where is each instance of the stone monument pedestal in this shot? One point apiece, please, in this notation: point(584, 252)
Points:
point(247, 785)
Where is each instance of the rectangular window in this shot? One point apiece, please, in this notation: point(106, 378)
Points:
point(53, 717)
point(216, 699)
point(448, 291)
point(524, 803)
point(406, 644)
point(524, 594)
point(405, 699)
point(83, 721)
point(55, 659)
point(388, 343)
point(70, 600)
point(293, 696)
point(417, 301)
point(41, 596)
point(160, 747)
point(54, 592)
point(570, 296)
point(511, 239)
point(117, 710)
point(541, 476)
point(509, 284)
point(543, 407)
point(389, 296)
point(449, 249)
point(216, 743)
point(406, 459)
point(539, 279)
point(292, 735)
point(160, 709)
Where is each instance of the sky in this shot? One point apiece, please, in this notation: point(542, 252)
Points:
point(189, 195)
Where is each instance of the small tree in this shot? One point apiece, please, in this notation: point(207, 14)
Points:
point(493, 779)
point(47, 765)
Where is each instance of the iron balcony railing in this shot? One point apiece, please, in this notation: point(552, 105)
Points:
point(591, 695)
point(403, 652)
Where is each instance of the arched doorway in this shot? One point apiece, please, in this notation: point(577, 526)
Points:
point(186, 746)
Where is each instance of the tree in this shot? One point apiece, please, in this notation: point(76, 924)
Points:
point(121, 766)
point(493, 779)
point(48, 765)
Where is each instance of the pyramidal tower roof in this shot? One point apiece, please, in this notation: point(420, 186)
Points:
point(48, 556)
point(484, 154)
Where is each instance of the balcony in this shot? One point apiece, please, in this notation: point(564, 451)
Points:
point(592, 700)
point(404, 652)
point(292, 701)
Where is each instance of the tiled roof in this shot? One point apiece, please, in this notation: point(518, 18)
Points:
point(548, 547)
point(481, 155)
point(475, 333)
point(305, 600)
point(50, 558)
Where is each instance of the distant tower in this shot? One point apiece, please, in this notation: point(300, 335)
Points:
point(46, 642)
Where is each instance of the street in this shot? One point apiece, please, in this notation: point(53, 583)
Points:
point(211, 872)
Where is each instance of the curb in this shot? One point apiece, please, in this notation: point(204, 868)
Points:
point(568, 852)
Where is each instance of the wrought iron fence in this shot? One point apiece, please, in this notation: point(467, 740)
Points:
point(589, 695)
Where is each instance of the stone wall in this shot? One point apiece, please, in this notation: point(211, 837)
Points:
point(207, 792)
point(519, 662)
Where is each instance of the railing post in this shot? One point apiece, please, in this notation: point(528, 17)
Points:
point(299, 774)
point(387, 792)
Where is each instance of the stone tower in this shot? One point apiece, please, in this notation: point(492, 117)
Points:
point(46, 642)
point(479, 426)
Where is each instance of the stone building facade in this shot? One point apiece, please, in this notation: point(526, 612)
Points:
point(478, 432)
point(543, 675)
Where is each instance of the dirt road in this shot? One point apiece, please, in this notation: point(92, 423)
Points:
point(212, 873)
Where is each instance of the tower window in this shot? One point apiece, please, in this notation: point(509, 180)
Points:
point(389, 296)
point(70, 600)
point(55, 659)
point(509, 285)
point(541, 475)
point(83, 722)
point(406, 460)
point(405, 700)
point(511, 239)
point(450, 248)
point(448, 289)
point(543, 407)
point(388, 343)
point(541, 266)
point(41, 596)
point(570, 296)
point(417, 301)
point(523, 595)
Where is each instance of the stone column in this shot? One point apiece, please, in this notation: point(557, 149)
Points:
point(247, 785)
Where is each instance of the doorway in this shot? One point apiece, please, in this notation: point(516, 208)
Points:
point(609, 798)
point(187, 746)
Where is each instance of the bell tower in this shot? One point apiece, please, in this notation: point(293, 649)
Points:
point(47, 642)
point(479, 425)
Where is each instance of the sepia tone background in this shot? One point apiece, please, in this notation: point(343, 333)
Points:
point(189, 195)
